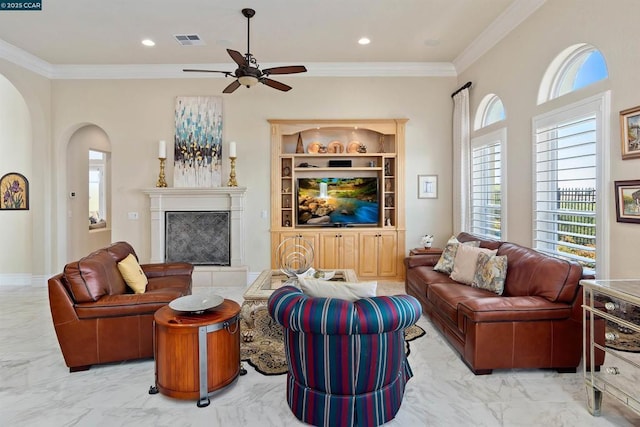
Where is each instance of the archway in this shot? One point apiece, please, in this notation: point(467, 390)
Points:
point(16, 226)
point(88, 151)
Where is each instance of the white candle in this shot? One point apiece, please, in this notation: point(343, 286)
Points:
point(232, 149)
point(162, 149)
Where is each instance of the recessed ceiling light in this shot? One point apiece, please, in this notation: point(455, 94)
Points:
point(364, 41)
point(148, 42)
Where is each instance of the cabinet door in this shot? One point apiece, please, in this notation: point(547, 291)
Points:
point(298, 244)
point(378, 254)
point(387, 254)
point(349, 250)
point(329, 251)
point(368, 254)
point(338, 250)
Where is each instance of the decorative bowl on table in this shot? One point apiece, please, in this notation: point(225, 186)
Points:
point(196, 304)
point(317, 274)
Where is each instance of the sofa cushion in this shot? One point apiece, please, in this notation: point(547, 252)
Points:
point(533, 273)
point(491, 272)
point(445, 298)
point(464, 266)
point(447, 259)
point(93, 276)
point(133, 274)
point(513, 309)
point(349, 291)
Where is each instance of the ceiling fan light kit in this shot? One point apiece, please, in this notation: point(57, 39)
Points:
point(248, 72)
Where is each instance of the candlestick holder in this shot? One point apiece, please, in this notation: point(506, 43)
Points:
point(161, 182)
point(232, 174)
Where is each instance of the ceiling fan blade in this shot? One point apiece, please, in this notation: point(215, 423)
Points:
point(237, 57)
point(233, 86)
point(289, 69)
point(276, 85)
point(191, 70)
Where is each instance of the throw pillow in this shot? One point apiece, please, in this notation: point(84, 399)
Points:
point(464, 266)
point(350, 291)
point(491, 272)
point(446, 261)
point(132, 274)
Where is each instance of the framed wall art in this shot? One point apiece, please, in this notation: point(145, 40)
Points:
point(628, 201)
point(14, 192)
point(427, 186)
point(630, 132)
point(198, 142)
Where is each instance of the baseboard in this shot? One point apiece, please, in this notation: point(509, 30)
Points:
point(23, 279)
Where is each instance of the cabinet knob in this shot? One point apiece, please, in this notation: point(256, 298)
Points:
point(613, 370)
point(611, 306)
point(611, 336)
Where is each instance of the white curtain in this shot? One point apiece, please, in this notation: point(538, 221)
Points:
point(461, 165)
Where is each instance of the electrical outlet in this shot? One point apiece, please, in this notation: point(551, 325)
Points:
point(132, 215)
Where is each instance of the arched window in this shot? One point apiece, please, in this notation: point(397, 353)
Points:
point(490, 110)
point(574, 68)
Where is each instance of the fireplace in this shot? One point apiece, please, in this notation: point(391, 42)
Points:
point(201, 237)
point(177, 217)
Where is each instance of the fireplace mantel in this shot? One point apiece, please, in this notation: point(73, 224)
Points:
point(199, 199)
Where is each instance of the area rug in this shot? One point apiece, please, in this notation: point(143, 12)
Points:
point(266, 352)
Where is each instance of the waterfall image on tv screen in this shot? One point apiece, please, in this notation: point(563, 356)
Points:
point(338, 201)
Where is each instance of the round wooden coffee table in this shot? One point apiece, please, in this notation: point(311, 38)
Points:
point(196, 354)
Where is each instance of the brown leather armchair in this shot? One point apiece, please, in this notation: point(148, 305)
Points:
point(97, 317)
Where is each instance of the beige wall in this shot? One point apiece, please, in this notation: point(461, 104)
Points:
point(31, 253)
point(135, 114)
point(513, 70)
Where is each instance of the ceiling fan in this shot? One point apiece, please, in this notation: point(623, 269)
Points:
point(248, 72)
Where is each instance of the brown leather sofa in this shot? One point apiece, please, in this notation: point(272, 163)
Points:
point(97, 317)
point(536, 322)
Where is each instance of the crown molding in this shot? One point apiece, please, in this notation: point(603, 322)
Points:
point(511, 18)
point(24, 59)
point(317, 69)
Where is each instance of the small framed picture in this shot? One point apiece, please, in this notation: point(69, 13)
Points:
point(427, 186)
point(14, 192)
point(630, 132)
point(628, 201)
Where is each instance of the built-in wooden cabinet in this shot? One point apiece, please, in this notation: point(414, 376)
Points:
point(315, 150)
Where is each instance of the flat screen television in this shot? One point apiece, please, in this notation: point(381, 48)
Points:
point(338, 202)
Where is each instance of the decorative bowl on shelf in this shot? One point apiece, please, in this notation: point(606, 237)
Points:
point(335, 147)
point(313, 148)
point(353, 147)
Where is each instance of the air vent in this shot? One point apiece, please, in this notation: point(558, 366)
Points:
point(189, 39)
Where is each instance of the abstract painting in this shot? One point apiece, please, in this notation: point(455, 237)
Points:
point(198, 142)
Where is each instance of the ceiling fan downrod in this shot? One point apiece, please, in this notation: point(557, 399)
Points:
point(249, 13)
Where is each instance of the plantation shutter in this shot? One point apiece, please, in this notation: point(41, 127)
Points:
point(486, 190)
point(565, 187)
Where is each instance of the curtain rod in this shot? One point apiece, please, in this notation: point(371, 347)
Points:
point(466, 85)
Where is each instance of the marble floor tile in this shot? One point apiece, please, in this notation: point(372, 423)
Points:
point(36, 388)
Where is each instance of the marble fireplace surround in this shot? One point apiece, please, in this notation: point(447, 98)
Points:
point(229, 199)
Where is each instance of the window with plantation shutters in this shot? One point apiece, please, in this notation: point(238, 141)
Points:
point(568, 181)
point(487, 190)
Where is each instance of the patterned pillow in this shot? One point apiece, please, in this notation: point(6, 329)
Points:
point(466, 261)
point(445, 263)
point(491, 272)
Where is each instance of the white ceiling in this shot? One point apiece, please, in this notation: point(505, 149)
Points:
point(107, 34)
